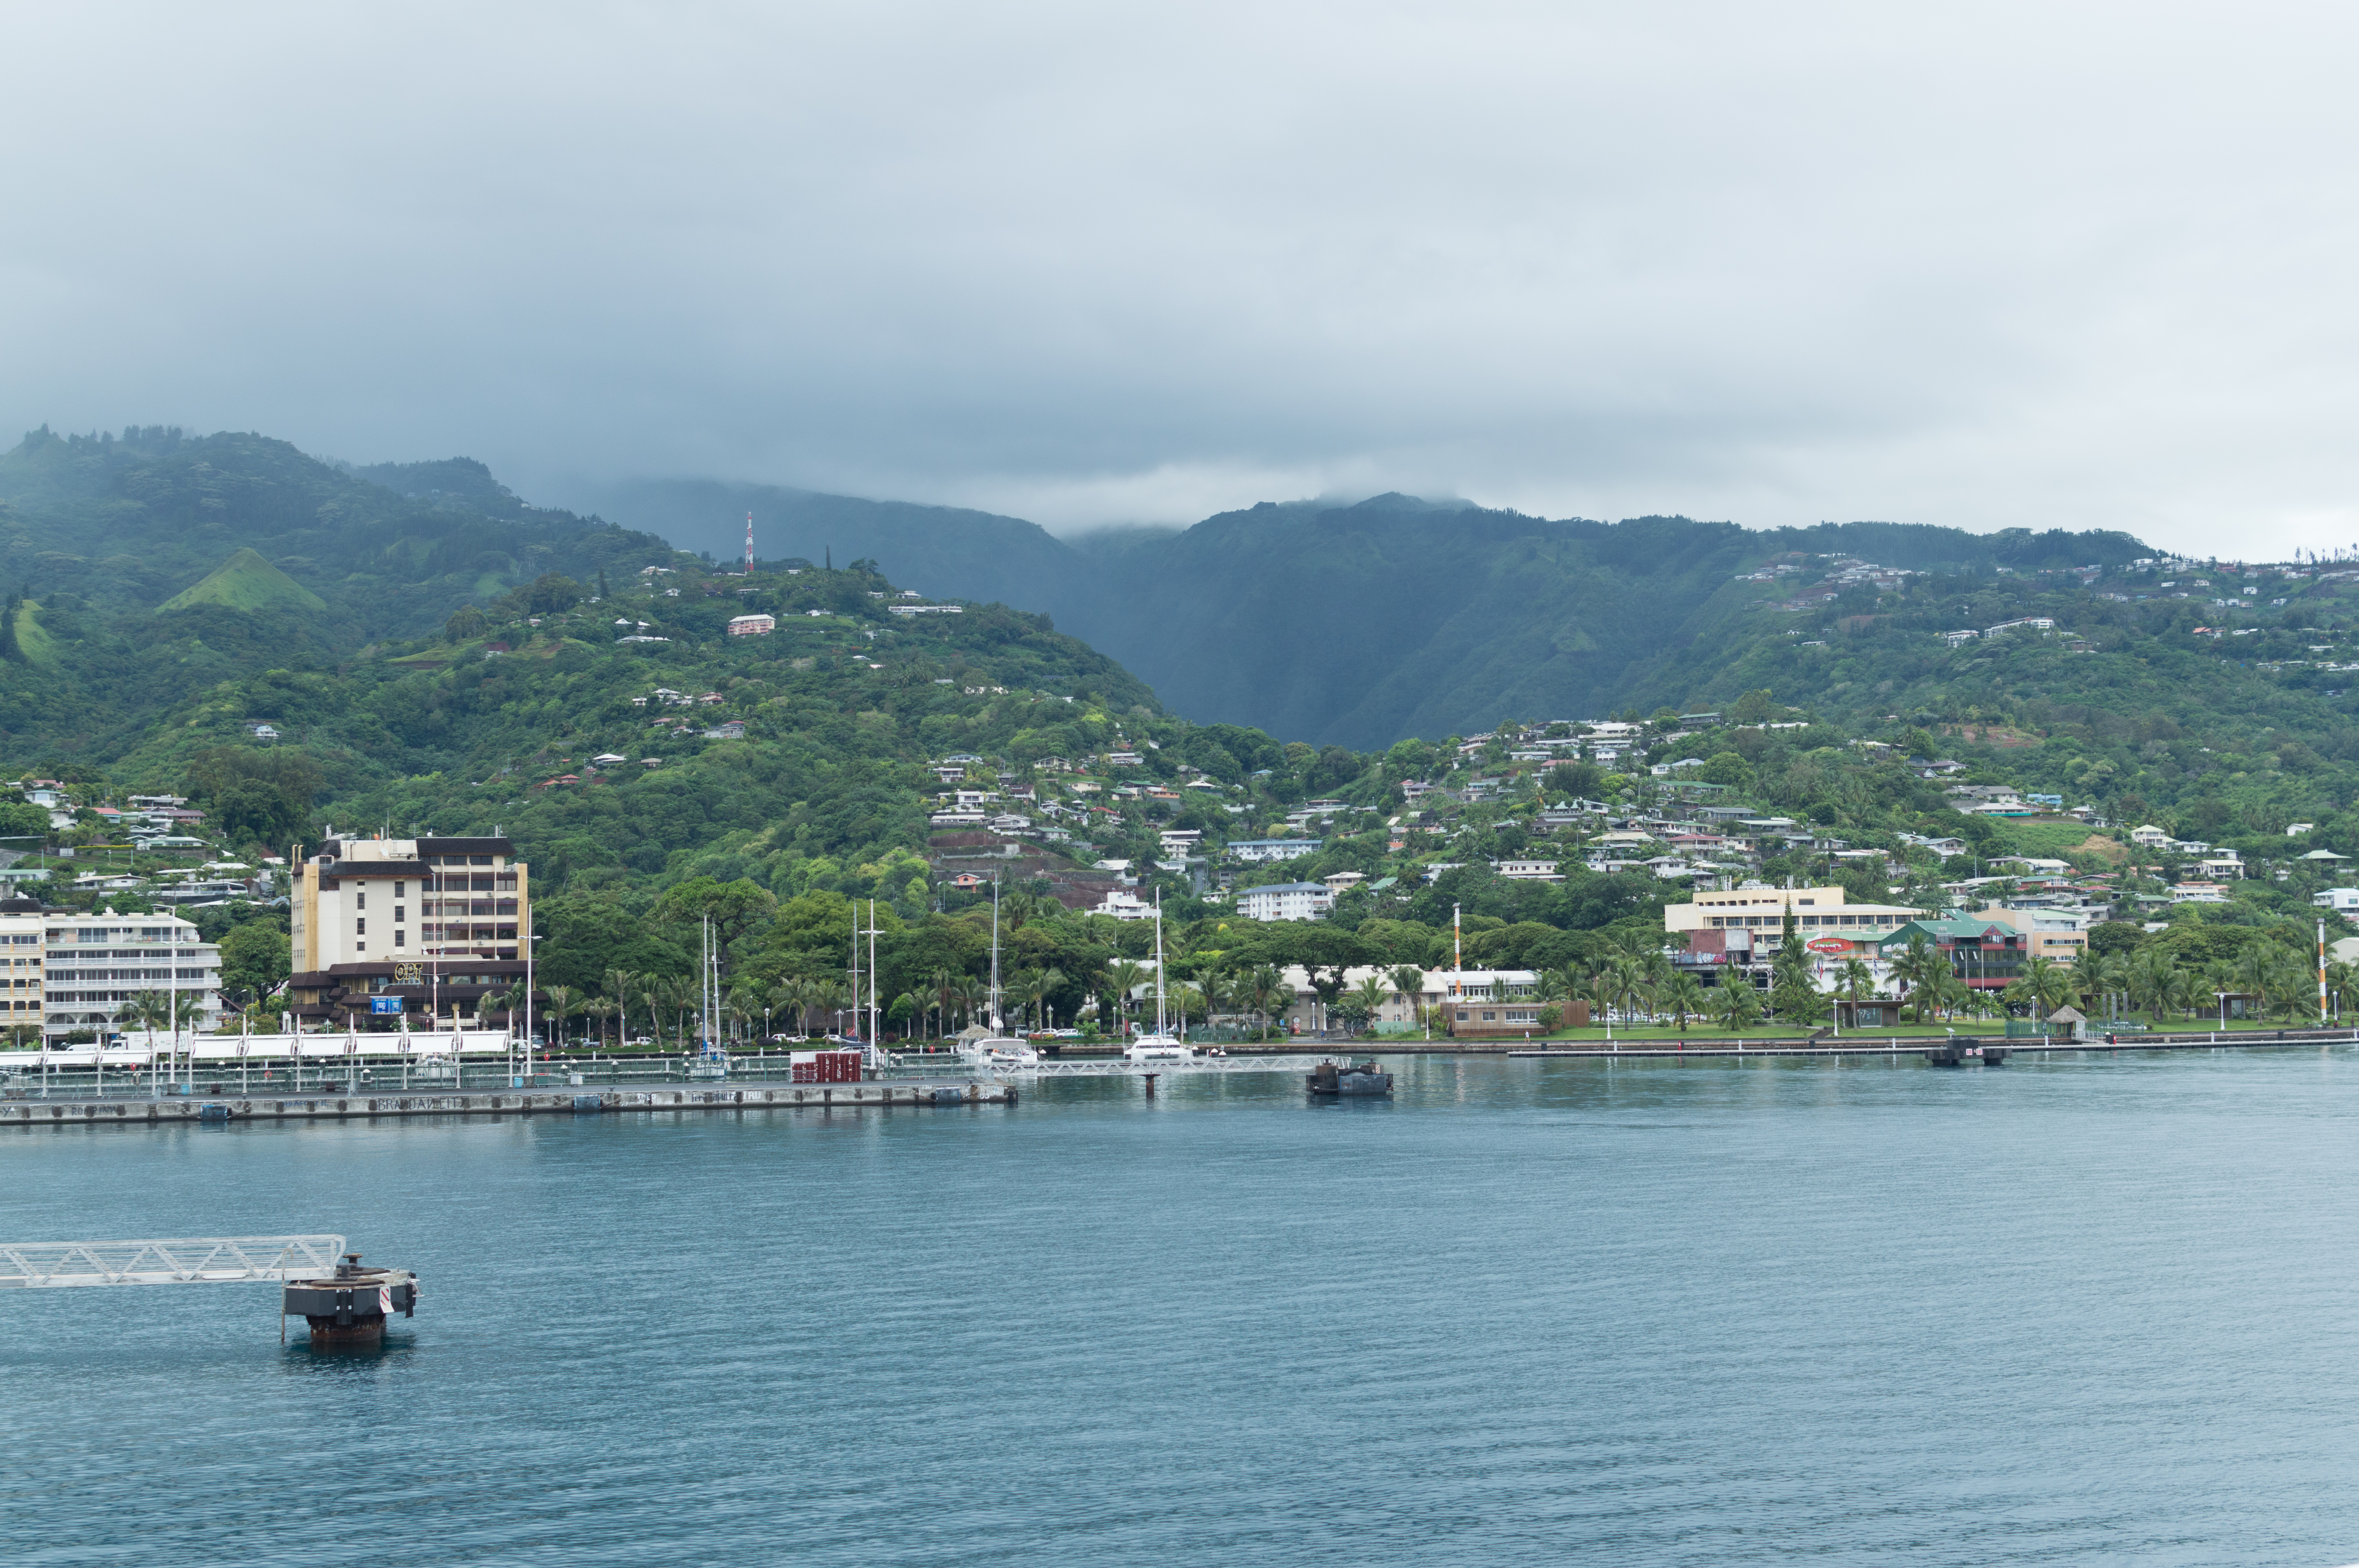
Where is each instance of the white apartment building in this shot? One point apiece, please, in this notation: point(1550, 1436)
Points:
point(67, 971)
point(1286, 900)
point(1761, 908)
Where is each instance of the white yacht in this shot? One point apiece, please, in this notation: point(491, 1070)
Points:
point(1163, 1045)
point(1006, 1051)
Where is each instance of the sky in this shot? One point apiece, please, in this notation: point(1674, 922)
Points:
point(2001, 265)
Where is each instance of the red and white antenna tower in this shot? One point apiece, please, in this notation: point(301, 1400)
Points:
point(749, 544)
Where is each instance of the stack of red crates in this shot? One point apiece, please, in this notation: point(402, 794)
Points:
point(823, 1068)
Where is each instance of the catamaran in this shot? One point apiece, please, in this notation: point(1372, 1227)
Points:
point(1161, 1045)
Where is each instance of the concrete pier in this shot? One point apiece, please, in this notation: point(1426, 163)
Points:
point(317, 1107)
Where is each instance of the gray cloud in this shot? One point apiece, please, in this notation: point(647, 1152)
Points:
point(2080, 266)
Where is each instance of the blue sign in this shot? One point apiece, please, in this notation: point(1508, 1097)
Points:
point(384, 1004)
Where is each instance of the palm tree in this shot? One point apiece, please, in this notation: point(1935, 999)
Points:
point(1856, 982)
point(622, 987)
point(1268, 989)
point(943, 982)
point(1123, 976)
point(1408, 984)
point(1366, 998)
point(678, 996)
point(971, 996)
point(1919, 968)
point(2152, 981)
point(2340, 976)
point(1683, 998)
point(2046, 985)
point(916, 1000)
point(1733, 1004)
point(560, 1003)
point(1038, 986)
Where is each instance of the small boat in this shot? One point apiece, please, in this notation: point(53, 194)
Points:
point(1003, 1050)
point(1158, 1048)
point(1329, 1078)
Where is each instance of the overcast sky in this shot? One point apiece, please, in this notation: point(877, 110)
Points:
point(1992, 266)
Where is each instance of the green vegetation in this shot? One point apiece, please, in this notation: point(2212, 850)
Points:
point(412, 648)
point(247, 581)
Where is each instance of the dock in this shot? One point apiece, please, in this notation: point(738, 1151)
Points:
point(1947, 1051)
point(178, 1109)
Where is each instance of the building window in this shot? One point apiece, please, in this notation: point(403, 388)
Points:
point(360, 926)
point(397, 935)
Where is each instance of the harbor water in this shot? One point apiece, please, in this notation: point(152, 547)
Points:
point(2092, 1310)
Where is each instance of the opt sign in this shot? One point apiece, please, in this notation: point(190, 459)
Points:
point(1827, 945)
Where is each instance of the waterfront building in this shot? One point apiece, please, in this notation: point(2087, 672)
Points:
point(384, 927)
point(70, 972)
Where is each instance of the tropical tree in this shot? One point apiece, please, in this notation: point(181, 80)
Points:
point(1266, 990)
point(1917, 968)
point(622, 989)
point(1123, 978)
point(2046, 984)
point(560, 1007)
point(1733, 1004)
point(1038, 986)
point(1408, 983)
point(1683, 998)
point(1364, 1000)
point(2152, 981)
point(2341, 977)
point(1855, 979)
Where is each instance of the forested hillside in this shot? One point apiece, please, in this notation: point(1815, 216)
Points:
point(141, 568)
point(1362, 624)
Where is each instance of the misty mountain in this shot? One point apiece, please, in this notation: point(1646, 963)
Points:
point(1359, 625)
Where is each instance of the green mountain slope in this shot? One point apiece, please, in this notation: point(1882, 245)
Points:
point(162, 563)
point(247, 581)
point(1360, 624)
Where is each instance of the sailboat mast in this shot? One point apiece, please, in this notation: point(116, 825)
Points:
point(1159, 961)
point(995, 955)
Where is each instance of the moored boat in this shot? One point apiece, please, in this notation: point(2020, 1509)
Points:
point(1345, 1078)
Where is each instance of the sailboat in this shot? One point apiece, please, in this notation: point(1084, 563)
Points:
point(1161, 1045)
point(998, 1048)
point(712, 1060)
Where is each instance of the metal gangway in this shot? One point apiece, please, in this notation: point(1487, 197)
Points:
point(194, 1261)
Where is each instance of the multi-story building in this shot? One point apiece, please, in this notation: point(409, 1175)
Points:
point(389, 926)
point(1286, 900)
point(71, 971)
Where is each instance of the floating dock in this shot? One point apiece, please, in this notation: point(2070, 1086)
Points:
point(884, 1095)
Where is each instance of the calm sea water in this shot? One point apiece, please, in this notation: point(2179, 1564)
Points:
point(2097, 1310)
